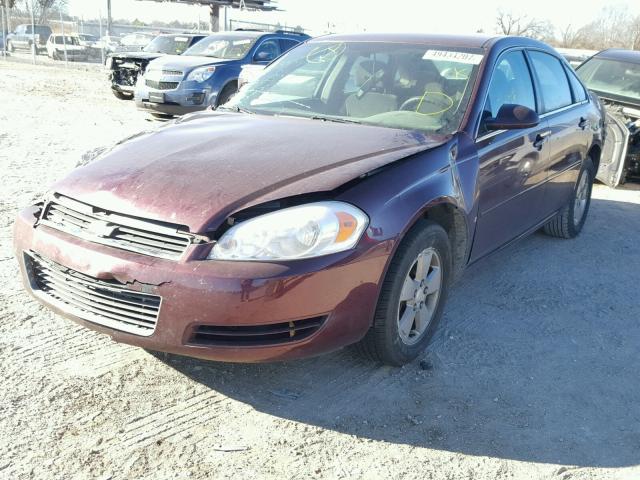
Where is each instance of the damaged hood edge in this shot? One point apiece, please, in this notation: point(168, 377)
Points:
point(209, 165)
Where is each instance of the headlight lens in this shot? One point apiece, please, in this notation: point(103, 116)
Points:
point(201, 74)
point(305, 231)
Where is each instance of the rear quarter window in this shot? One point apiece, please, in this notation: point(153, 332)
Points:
point(579, 93)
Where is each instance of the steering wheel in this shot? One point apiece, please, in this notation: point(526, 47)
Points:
point(431, 103)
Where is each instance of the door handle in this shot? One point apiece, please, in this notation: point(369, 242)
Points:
point(540, 139)
point(584, 123)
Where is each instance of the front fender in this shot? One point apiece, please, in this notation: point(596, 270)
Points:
point(403, 192)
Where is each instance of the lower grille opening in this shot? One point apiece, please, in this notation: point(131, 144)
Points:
point(105, 302)
point(256, 335)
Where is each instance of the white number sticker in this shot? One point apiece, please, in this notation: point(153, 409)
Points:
point(461, 57)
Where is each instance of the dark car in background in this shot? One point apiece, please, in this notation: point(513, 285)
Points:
point(333, 200)
point(126, 67)
point(614, 75)
point(26, 38)
point(207, 74)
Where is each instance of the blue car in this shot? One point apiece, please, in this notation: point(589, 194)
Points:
point(207, 73)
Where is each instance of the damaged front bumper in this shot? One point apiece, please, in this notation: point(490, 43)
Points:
point(230, 311)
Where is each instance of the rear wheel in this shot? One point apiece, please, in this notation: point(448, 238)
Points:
point(569, 222)
point(412, 297)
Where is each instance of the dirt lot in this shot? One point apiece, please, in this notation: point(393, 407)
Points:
point(534, 371)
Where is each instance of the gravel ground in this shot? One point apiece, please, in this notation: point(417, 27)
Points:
point(533, 373)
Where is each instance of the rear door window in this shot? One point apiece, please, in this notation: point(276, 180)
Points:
point(554, 84)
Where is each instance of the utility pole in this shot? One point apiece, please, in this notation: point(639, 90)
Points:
point(109, 32)
point(215, 17)
point(2, 32)
point(34, 47)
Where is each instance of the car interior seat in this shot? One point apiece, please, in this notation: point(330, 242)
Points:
point(371, 98)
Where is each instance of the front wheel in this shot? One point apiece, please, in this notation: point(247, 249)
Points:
point(569, 221)
point(412, 297)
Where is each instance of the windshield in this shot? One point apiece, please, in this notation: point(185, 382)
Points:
point(40, 30)
point(174, 45)
point(408, 86)
point(613, 77)
point(220, 46)
point(66, 40)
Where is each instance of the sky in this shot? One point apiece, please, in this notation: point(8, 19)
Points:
point(465, 16)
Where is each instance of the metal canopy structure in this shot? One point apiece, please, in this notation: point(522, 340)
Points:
point(214, 5)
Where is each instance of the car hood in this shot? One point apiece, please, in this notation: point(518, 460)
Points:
point(210, 164)
point(185, 62)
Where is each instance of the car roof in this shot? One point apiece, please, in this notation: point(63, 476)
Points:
point(480, 41)
point(182, 35)
point(472, 41)
point(632, 56)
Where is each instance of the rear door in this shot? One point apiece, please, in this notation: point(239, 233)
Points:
point(513, 163)
point(566, 110)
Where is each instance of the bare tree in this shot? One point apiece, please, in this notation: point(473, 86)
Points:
point(612, 28)
point(570, 37)
point(41, 8)
point(509, 23)
point(634, 32)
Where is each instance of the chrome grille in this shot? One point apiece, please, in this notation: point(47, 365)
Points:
point(103, 302)
point(158, 85)
point(116, 230)
point(176, 73)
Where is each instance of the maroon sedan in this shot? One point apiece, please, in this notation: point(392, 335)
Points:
point(332, 201)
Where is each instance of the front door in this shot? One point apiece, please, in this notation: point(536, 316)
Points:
point(513, 163)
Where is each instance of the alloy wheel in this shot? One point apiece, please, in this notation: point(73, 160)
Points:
point(582, 197)
point(419, 296)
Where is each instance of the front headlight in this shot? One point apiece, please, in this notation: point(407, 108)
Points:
point(292, 233)
point(201, 74)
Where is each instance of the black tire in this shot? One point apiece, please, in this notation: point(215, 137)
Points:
point(565, 224)
point(383, 342)
point(162, 116)
point(122, 95)
point(226, 93)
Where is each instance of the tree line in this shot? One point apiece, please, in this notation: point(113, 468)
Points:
point(614, 27)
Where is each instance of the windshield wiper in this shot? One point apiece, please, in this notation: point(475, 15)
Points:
point(334, 119)
point(236, 109)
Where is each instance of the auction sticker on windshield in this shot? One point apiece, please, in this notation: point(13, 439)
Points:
point(461, 57)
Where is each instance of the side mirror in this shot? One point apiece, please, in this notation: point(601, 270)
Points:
point(513, 117)
point(263, 57)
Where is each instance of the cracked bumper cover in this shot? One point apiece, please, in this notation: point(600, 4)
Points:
point(343, 287)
